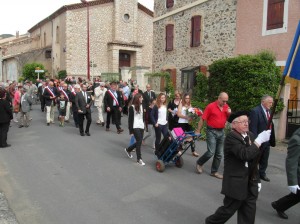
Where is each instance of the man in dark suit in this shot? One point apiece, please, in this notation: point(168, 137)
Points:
point(74, 108)
point(259, 117)
point(240, 182)
point(148, 96)
point(49, 95)
point(41, 90)
point(113, 104)
point(83, 102)
point(292, 164)
point(5, 117)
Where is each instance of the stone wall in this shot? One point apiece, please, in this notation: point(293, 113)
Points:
point(218, 31)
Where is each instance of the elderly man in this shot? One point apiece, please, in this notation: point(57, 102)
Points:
point(99, 96)
point(241, 181)
point(76, 89)
point(292, 165)
point(50, 94)
point(259, 117)
point(215, 115)
point(26, 101)
point(67, 95)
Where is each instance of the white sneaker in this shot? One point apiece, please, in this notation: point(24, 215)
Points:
point(16, 121)
point(140, 162)
point(128, 153)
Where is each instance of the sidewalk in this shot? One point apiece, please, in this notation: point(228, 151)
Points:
point(6, 214)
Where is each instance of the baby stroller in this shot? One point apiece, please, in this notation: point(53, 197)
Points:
point(168, 151)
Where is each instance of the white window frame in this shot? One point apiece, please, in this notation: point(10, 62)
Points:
point(266, 32)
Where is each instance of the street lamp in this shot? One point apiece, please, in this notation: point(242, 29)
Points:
point(88, 37)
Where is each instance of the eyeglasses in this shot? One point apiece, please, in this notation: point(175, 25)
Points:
point(242, 122)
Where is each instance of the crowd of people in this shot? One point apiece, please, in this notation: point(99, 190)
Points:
point(246, 148)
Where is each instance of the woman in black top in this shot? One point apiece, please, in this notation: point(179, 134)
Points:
point(5, 117)
point(172, 111)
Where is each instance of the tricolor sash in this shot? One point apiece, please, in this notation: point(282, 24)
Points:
point(113, 96)
point(49, 91)
point(65, 94)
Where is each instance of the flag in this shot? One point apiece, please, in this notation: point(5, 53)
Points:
point(293, 61)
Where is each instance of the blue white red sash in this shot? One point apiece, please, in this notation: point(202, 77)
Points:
point(113, 96)
point(49, 91)
point(73, 91)
point(65, 94)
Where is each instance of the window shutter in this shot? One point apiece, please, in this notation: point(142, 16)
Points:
point(275, 14)
point(169, 37)
point(170, 3)
point(196, 29)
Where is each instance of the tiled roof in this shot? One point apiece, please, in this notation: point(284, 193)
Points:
point(78, 6)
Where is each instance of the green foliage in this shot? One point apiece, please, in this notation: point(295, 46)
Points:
point(245, 78)
point(62, 74)
point(201, 88)
point(169, 88)
point(29, 71)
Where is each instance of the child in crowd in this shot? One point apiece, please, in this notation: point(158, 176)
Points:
point(62, 107)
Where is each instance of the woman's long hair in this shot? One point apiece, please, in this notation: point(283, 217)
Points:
point(158, 100)
point(183, 99)
point(136, 102)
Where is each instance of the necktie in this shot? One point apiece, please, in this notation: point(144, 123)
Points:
point(149, 94)
point(268, 117)
point(84, 94)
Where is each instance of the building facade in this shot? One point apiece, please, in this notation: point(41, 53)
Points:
point(190, 34)
point(120, 36)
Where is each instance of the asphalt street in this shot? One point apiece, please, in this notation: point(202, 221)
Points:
point(52, 175)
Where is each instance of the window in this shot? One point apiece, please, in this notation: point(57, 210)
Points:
point(195, 31)
point(57, 34)
point(275, 17)
point(188, 78)
point(169, 37)
point(45, 39)
point(275, 14)
point(48, 53)
point(170, 3)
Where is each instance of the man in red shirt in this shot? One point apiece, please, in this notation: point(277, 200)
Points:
point(215, 115)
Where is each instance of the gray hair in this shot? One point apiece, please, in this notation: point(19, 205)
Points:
point(264, 97)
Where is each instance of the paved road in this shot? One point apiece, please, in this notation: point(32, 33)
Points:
point(52, 175)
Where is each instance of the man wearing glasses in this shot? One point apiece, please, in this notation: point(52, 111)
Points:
point(241, 182)
point(259, 117)
point(215, 115)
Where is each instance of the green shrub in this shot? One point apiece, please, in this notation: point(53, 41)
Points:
point(29, 71)
point(245, 78)
point(62, 74)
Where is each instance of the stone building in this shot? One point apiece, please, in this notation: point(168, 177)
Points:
point(120, 36)
point(191, 34)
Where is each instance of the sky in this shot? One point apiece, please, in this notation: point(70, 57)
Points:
point(21, 15)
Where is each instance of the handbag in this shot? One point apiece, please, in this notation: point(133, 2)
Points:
point(17, 108)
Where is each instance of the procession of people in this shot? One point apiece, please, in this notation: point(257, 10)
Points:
point(245, 148)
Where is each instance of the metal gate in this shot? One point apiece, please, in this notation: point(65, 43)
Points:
point(293, 117)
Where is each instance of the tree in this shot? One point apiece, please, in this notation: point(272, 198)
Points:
point(245, 78)
point(29, 71)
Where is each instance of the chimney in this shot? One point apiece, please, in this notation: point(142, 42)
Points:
point(17, 34)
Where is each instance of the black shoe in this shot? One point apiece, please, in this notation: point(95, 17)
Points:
point(281, 214)
point(102, 124)
point(6, 146)
point(265, 178)
point(88, 134)
point(21, 126)
point(81, 134)
point(48, 124)
point(76, 125)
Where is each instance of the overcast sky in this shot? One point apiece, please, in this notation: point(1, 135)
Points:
point(21, 15)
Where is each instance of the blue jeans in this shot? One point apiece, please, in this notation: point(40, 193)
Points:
point(215, 142)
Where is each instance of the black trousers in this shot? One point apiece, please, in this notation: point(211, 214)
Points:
point(288, 201)
point(246, 209)
point(4, 127)
point(88, 117)
point(138, 135)
point(263, 162)
point(43, 103)
point(115, 114)
point(75, 117)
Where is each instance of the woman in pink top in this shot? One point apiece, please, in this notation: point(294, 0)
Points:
point(16, 103)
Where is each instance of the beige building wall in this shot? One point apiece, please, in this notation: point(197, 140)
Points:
point(249, 39)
